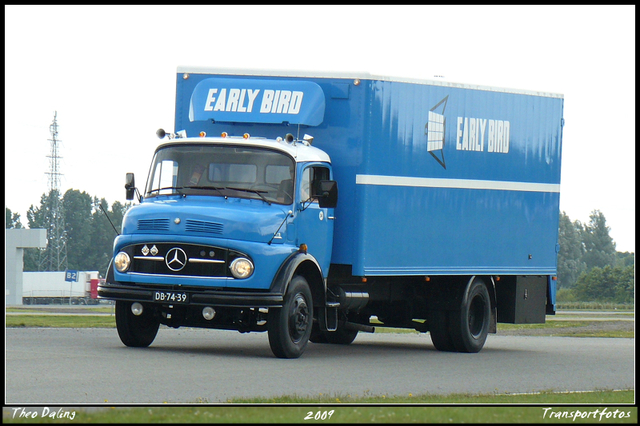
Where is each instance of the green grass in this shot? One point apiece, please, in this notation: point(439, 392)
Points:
point(108, 321)
point(44, 308)
point(569, 329)
point(409, 409)
point(65, 321)
point(572, 305)
point(554, 398)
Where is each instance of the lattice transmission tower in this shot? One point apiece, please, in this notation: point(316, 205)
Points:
point(54, 257)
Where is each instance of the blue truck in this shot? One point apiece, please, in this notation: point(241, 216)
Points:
point(446, 218)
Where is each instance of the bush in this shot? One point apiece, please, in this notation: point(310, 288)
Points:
point(608, 284)
point(565, 295)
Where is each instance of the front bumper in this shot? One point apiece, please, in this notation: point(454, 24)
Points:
point(196, 296)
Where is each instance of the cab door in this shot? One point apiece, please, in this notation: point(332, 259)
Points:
point(314, 223)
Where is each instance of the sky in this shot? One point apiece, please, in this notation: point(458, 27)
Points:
point(109, 74)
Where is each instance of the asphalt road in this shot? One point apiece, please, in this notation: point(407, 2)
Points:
point(78, 366)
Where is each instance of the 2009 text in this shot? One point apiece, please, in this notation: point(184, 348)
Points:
point(320, 415)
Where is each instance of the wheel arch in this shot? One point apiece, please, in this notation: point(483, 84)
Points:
point(307, 266)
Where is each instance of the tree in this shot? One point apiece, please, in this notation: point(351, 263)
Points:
point(570, 263)
point(102, 235)
point(49, 216)
point(87, 232)
point(589, 268)
point(77, 215)
point(12, 220)
point(600, 250)
point(625, 259)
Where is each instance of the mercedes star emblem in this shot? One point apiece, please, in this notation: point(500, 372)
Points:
point(176, 259)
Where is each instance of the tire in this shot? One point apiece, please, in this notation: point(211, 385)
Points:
point(439, 331)
point(289, 327)
point(469, 326)
point(341, 336)
point(317, 335)
point(135, 331)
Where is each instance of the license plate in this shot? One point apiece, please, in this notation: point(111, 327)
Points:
point(170, 297)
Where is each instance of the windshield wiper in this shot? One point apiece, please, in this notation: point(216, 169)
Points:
point(215, 188)
point(253, 191)
point(176, 188)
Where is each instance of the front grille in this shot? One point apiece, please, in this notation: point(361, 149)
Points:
point(183, 259)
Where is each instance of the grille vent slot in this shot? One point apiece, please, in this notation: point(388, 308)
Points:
point(153, 225)
point(202, 226)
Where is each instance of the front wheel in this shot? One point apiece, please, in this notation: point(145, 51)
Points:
point(136, 331)
point(289, 327)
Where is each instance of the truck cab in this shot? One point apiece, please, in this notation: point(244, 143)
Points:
point(223, 225)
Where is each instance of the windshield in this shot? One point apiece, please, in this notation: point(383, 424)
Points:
point(222, 170)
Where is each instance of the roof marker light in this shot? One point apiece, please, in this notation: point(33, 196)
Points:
point(224, 134)
point(246, 136)
point(308, 138)
point(203, 134)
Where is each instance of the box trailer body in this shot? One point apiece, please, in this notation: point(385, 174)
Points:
point(60, 288)
point(444, 190)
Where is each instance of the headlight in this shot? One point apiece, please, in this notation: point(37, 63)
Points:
point(122, 261)
point(241, 268)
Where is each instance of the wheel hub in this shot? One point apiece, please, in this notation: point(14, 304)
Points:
point(299, 318)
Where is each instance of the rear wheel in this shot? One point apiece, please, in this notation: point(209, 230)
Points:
point(135, 330)
point(470, 324)
point(342, 336)
point(289, 327)
point(439, 330)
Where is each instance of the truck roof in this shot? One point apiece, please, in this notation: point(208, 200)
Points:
point(354, 75)
point(301, 151)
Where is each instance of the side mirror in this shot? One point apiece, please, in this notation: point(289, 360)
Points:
point(328, 194)
point(130, 186)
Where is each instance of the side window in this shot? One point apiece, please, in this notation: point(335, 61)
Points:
point(305, 184)
point(320, 173)
point(310, 183)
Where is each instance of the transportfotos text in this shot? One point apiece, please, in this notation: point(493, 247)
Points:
point(597, 414)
